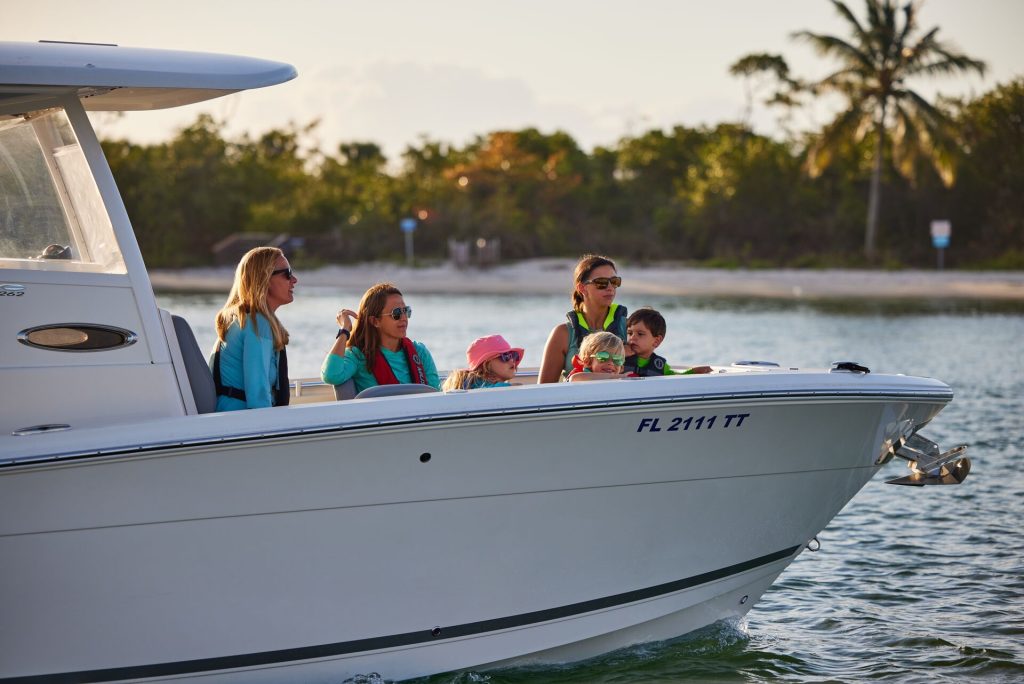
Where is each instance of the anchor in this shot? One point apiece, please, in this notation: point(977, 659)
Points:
point(928, 466)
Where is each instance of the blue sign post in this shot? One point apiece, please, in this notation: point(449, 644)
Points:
point(408, 226)
point(941, 231)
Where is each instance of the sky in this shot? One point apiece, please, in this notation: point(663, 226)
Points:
point(393, 71)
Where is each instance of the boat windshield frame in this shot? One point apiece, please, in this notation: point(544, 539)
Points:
point(52, 214)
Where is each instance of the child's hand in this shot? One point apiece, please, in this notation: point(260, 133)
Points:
point(698, 370)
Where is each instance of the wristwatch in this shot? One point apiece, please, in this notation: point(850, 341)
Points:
point(342, 331)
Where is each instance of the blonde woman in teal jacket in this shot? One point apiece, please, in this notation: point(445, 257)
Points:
point(249, 362)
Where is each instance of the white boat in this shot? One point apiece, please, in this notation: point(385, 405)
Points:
point(142, 537)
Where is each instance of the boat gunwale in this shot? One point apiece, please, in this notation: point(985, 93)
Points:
point(935, 396)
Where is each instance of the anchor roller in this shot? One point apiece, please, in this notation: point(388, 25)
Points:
point(928, 465)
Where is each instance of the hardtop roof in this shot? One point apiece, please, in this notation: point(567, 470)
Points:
point(115, 78)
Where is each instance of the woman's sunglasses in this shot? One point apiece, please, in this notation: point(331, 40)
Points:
point(617, 359)
point(603, 283)
point(287, 273)
point(512, 356)
point(397, 312)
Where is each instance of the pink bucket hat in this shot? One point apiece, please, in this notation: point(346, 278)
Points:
point(486, 348)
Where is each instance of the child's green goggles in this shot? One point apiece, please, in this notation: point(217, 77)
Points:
point(617, 359)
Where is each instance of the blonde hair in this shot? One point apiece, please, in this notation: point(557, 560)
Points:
point(366, 336)
point(248, 295)
point(586, 265)
point(601, 341)
point(462, 378)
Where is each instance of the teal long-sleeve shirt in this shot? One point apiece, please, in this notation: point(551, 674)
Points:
point(338, 369)
point(248, 362)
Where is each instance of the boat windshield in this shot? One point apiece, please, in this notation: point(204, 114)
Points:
point(52, 216)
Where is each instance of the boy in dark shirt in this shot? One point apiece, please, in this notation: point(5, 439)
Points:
point(645, 330)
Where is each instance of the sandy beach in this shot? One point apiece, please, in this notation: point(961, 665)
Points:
point(552, 276)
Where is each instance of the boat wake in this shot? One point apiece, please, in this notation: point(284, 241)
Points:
point(698, 651)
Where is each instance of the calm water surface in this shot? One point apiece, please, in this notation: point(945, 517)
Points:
point(910, 585)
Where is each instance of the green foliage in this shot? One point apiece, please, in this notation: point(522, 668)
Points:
point(718, 196)
point(988, 199)
point(1011, 260)
point(875, 64)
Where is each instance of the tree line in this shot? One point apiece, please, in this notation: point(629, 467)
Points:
point(717, 195)
point(720, 195)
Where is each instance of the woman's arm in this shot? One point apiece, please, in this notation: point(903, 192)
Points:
point(338, 348)
point(339, 367)
point(553, 362)
point(256, 356)
point(344, 318)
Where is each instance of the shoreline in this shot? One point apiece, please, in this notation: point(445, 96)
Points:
point(553, 276)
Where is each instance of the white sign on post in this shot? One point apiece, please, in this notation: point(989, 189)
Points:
point(408, 226)
point(941, 230)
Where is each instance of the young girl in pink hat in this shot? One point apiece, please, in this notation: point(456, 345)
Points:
point(492, 363)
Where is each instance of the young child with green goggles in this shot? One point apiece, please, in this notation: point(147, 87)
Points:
point(601, 357)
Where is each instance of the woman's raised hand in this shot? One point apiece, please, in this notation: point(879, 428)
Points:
point(345, 319)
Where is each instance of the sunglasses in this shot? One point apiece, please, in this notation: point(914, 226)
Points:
point(397, 312)
point(603, 283)
point(286, 271)
point(617, 359)
point(510, 356)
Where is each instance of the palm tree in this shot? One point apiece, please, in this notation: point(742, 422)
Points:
point(875, 65)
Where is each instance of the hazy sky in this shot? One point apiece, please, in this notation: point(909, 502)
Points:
point(390, 71)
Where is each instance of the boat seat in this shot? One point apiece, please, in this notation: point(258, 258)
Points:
point(196, 367)
point(346, 390)
point(394, 390)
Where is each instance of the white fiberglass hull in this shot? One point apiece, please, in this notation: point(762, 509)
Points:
point(416, 535)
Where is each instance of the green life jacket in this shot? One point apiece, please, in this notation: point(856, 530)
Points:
point(614, 322)
point(656, 365)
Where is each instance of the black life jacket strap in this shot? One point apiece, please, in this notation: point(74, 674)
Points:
point(222, 389)
point(282, 395)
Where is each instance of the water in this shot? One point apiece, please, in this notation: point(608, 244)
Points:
point(910, 585)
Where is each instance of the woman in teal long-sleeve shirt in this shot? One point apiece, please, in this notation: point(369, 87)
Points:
point(376, 350)
point(249, 361)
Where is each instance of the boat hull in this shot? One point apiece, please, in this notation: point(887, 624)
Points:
point(468, 541)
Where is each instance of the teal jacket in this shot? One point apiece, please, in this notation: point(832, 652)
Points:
point(248, 362)
point(338, 369)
